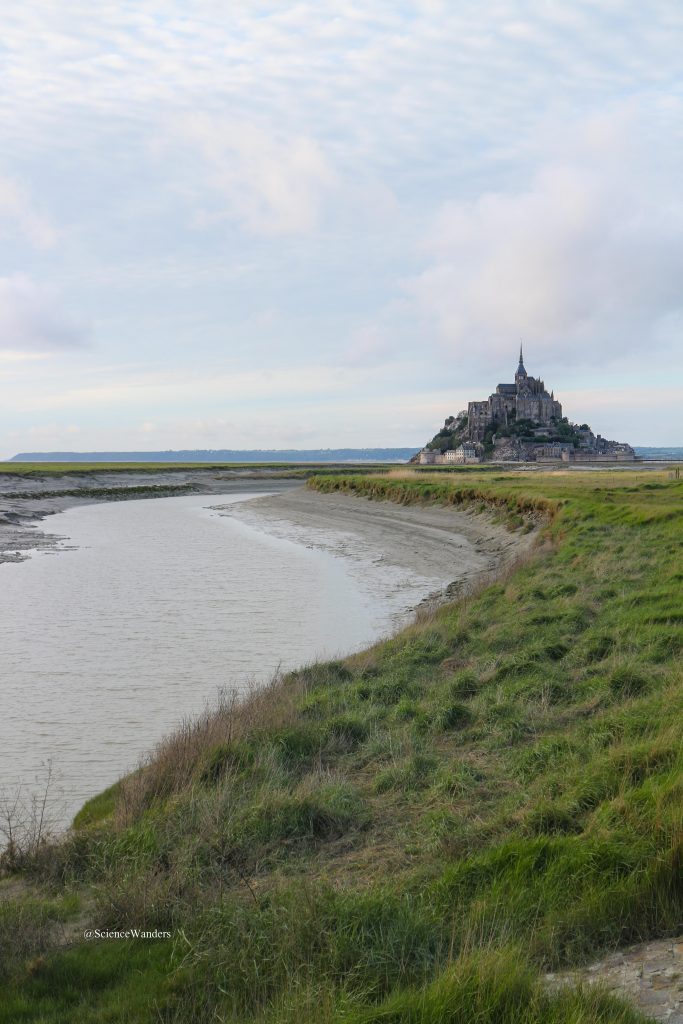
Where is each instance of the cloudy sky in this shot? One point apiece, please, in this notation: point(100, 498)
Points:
point(263, 224)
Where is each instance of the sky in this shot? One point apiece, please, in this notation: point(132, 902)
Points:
point(277, 225)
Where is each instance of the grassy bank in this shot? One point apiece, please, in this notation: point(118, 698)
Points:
point(413, 834)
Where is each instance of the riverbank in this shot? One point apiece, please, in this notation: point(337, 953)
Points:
point(418, 833)
point(137, 595)
point(454, 548)
point(144, 590)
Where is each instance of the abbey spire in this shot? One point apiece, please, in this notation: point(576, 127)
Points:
point(521, 372)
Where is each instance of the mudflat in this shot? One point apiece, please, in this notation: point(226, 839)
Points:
point(443, 543)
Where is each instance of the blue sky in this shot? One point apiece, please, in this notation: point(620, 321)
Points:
point(325, 224)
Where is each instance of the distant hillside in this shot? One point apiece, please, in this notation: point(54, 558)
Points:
point(228, 455)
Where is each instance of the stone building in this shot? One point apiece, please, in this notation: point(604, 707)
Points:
point(526, 399)
point(464, 454)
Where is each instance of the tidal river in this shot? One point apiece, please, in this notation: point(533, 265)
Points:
point(145, 611)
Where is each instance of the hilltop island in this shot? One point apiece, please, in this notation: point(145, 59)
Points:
point(519, 422)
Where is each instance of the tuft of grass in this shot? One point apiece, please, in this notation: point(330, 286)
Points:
point(412, 775)
point(628, 682)
point(452, 715)
point(494, 988)
point(29, 926)
point(98, 808)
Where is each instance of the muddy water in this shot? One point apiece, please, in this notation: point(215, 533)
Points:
point(143, 614)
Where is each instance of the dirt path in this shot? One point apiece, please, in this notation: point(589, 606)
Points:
point(649, 976)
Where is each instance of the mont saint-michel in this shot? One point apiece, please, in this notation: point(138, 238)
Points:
point(519, 422)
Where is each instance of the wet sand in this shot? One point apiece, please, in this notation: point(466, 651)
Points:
point(453, 547)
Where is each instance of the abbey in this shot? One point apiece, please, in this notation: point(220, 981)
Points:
point(519, 422)
point(526, 399)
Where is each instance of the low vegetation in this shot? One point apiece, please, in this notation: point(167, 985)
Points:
point(107, 493)
point(50, 469)
point(40, 469)
point(412, 835)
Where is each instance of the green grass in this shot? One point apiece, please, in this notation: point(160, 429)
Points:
point(124, 979)
point(29, 925)
point(413, 834)
point(41, 469)
point(47, 469)
point(98, 808)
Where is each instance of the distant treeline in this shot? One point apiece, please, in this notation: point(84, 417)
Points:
point(228, 455)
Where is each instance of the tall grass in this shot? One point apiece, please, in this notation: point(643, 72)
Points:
point(414, 833)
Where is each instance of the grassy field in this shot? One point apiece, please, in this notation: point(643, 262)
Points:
point(60, 468)
point(40, 469)
point(413, 834)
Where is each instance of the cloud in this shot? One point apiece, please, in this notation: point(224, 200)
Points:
point(632, 413)
point(368, 345)
point(272, 183)
point(314, 144)
point(18, 214)
point(154, 387)
point(32, 320)
point(585, 263)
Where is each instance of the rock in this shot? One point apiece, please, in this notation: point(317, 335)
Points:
point(649, 976)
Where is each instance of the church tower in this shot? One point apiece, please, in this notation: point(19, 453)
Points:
point(521, 372)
